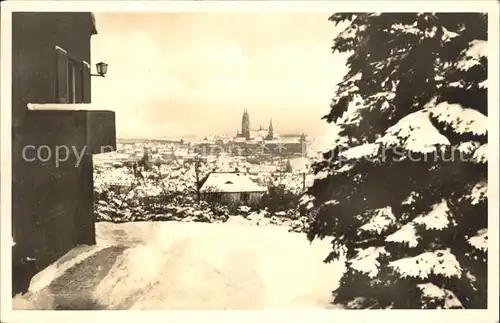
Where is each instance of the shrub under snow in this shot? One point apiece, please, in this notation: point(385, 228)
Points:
point(170, 195)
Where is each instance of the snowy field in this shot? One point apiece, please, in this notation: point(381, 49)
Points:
point(174, 265)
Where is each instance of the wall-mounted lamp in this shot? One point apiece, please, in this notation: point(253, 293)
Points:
point(102, 69)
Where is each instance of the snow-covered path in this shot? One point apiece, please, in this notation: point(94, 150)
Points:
point(172, 265)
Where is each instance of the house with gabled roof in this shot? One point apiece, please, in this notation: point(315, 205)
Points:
point(232, 189)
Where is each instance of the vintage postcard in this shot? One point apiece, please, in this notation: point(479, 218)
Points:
point(309, 158)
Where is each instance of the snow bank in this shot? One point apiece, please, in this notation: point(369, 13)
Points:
point(172, 265)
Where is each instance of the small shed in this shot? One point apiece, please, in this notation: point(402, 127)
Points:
point(232, 189)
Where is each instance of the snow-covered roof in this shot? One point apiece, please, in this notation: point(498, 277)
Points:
point(61, 106)
point(230, 182)
point(240, 139)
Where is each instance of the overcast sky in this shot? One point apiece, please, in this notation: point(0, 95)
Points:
point(176, 74)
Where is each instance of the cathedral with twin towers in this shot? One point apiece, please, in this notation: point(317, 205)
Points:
point(261, 133)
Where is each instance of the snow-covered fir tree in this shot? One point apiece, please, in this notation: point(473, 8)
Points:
point(403, 192)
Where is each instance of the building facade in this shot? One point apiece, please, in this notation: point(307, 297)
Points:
point(245, 126)
point(53, 138)
point(258, 134)
point(252, 140)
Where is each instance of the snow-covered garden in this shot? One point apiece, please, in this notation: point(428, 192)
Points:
point(169, 193)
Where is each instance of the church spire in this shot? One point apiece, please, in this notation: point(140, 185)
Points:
point(270, 131)
point(245, 125)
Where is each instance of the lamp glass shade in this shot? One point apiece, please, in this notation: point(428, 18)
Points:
point(102, 68)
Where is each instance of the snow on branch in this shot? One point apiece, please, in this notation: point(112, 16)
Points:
point(440, 262)
point(437, 218)
point(407, 29)
point(351, 31)
point(366, 261)
point(415, 133)
point(483, 84)
point(406, 234)
point(480, 241)
point(308, 203)
point(381, 100)
point(323, 174)
point(306, 199)
point(477, 48)
point(471, 56)
point(361, 151)
point(351, 116)
point(461, 120)
point(481, 154)
point(382, 219)
point(468, 147)
point(478, 193)
point(348, 87)
point(478, 152)
point(447, 35)
point(412, 198)
point(462, 85)
point(385, 95)
point(345, 168)
point(447, 297)
point(331, 202)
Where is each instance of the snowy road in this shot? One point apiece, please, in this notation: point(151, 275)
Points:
point(172, 265)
